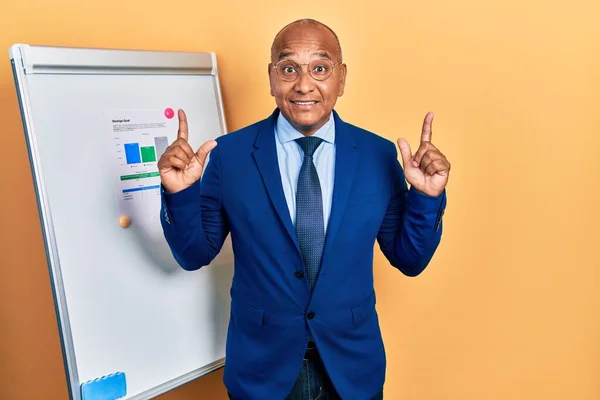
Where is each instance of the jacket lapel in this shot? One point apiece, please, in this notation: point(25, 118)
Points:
point(346, 160)
point(265, 155)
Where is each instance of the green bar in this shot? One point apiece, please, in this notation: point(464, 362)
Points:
point(148, 154)
point(139, 176)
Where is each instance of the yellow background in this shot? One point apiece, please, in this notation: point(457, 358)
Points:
point(508, 308)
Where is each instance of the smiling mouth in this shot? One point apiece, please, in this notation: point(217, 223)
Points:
point(304, 103)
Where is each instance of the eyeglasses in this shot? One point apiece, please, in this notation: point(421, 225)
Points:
point(289, 70)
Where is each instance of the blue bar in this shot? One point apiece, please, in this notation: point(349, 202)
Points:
point(132, 153)
point(141, 188)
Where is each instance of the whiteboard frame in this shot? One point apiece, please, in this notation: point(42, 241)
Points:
point(29, 59)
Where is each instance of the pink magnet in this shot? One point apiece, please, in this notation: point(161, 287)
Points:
point(169, 113)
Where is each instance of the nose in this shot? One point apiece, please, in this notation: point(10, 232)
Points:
point(304, 83)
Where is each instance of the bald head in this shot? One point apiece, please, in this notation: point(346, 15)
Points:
point(307, 23)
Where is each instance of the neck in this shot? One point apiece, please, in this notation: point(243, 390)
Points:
point(308, 130)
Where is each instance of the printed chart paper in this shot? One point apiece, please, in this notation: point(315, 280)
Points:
point(137, 139)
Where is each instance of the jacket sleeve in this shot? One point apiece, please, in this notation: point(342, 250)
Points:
point(412, 226)
point(193, 220)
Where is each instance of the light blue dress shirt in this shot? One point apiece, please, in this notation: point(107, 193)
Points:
point(290, 157)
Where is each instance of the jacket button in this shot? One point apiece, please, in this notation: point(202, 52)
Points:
point(299, 274)
point(310, 315)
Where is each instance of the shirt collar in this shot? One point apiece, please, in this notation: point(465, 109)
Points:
point(285, 132)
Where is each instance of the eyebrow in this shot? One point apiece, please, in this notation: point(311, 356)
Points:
point(284, 54)
point(323, 54)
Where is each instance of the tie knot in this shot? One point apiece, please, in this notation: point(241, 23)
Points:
point(309, 144)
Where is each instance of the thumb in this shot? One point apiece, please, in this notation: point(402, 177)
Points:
point(203, 151)
point(405, 152)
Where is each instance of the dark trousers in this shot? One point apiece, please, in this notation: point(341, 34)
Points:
point(313, 383)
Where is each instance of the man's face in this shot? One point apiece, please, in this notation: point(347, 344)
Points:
point(306, 102)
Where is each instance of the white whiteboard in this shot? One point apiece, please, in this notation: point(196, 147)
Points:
point(122, 302)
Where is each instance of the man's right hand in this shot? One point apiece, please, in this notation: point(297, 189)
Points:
point(179, 166)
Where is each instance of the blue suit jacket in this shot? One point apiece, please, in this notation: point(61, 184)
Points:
point(272, 308)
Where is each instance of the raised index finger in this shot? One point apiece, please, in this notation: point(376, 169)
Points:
point(426, 132)
point(182, 133)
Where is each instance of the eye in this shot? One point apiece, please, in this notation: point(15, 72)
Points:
point(320, 69)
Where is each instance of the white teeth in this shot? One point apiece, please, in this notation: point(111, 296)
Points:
point(304, 103)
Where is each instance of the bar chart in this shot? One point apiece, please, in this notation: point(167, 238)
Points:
point(136, 154)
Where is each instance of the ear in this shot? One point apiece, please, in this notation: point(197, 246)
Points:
point(343, 71)
point(269, 69)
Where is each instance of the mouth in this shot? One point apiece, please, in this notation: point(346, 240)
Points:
point(304, 103)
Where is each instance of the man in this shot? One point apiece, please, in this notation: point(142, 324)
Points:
point(304, 196)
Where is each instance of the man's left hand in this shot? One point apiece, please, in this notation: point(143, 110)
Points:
point(428, 170)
